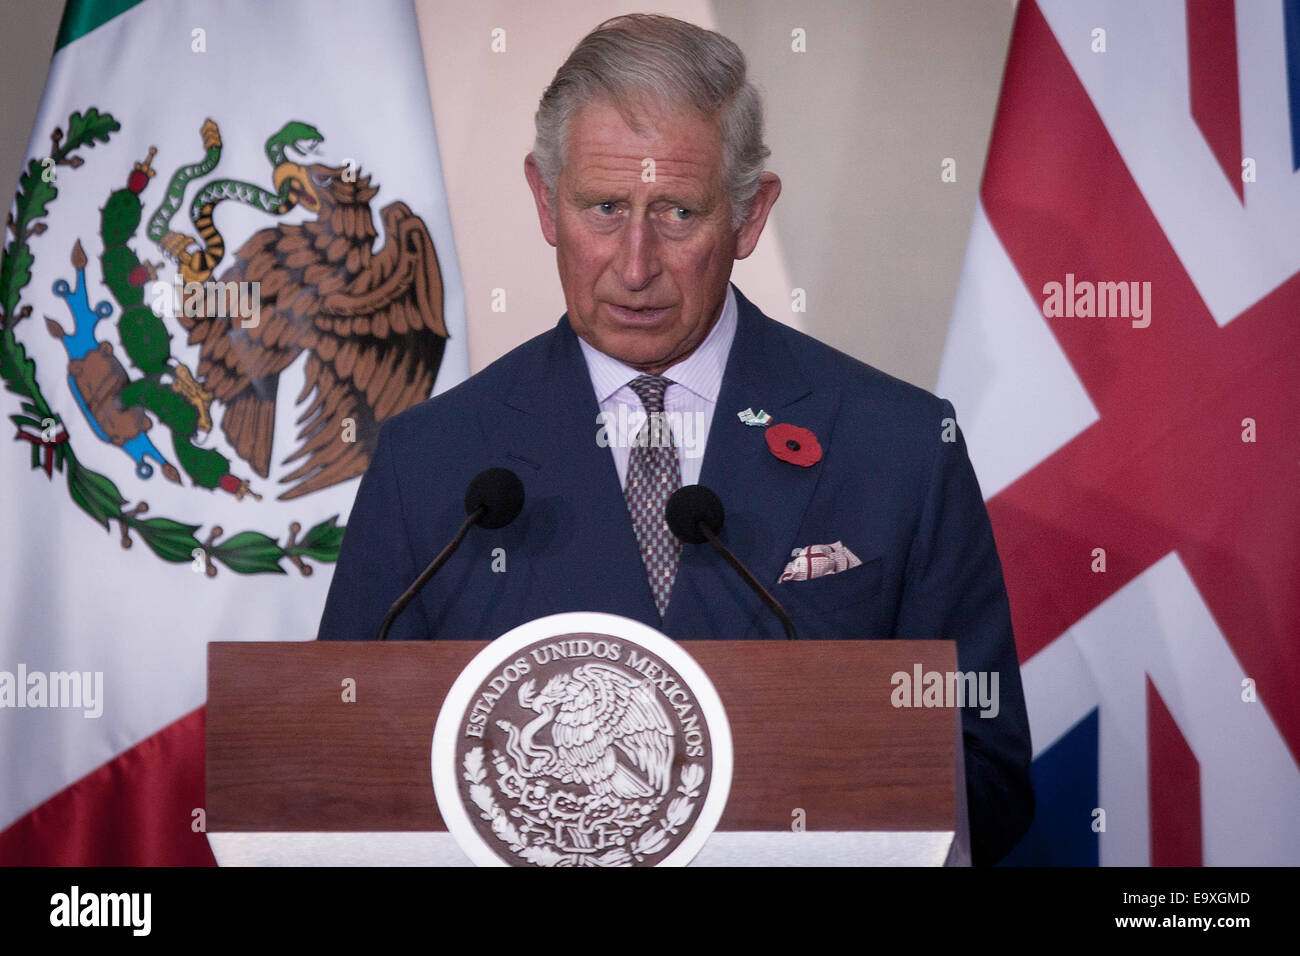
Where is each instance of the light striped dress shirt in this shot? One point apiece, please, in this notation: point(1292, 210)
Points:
point(689, 402)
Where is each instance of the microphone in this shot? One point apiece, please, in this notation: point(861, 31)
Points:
point(494, 499)
point(695, 514)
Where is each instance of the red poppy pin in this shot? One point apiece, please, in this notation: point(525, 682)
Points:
point(796, 445)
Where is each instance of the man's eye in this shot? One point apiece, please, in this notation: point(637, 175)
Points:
point(680, 214)
point(607, 208)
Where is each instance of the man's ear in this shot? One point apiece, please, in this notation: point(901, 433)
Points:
point(769, 187)
point(541, 196)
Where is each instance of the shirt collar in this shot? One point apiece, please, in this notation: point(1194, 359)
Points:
point(700, 372)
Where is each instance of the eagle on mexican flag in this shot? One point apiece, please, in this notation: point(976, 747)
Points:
point(221, 273)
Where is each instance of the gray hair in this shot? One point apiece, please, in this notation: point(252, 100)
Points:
point(632, 61)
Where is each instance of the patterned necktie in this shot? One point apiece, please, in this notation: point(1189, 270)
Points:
point(653, 474)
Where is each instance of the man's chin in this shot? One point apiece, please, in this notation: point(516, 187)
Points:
point(639, 351)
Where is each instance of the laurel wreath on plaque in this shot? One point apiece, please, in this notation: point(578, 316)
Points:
point(546, 816)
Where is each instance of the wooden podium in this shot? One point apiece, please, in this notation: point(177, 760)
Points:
point(827, 770)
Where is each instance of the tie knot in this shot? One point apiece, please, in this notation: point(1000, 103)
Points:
point(650, 389)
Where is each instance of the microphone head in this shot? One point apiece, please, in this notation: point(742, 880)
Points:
point(499, 492)
point(688, 507)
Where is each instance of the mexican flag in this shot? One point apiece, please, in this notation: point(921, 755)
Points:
point(228, 259)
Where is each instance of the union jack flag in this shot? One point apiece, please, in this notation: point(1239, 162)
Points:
point(1144, 482)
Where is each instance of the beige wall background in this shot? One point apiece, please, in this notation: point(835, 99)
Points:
point(27, 29)
point(859, 126)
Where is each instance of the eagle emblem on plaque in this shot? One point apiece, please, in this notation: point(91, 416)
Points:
point(598, 743)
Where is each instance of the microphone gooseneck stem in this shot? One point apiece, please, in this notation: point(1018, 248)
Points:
point(409, 594)
point(752, 581)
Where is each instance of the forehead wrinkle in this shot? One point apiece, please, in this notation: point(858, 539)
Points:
point(673, 178)
point(605, 151)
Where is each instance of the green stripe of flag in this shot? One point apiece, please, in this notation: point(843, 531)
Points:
point(82, 16)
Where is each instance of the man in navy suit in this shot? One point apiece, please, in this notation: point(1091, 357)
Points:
point(649, 182)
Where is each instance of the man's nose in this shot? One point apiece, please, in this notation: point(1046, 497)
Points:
point(638, 254)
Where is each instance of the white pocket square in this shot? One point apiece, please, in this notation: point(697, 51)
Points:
point(818, 560)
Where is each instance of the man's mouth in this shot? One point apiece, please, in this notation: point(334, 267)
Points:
point(636, 316)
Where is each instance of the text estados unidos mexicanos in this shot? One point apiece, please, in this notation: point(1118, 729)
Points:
point(657, 676)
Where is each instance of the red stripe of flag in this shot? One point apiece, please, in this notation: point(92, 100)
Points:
point(1174, 788)
point(1212, 78)
point(135, 810)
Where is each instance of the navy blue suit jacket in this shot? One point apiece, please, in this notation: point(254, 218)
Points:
point(902, 499)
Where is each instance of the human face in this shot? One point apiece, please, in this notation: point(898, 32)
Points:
point(644, 264)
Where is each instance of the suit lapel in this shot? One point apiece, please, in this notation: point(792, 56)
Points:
point(577, 532)
point(765, 497)
point(582, 550)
